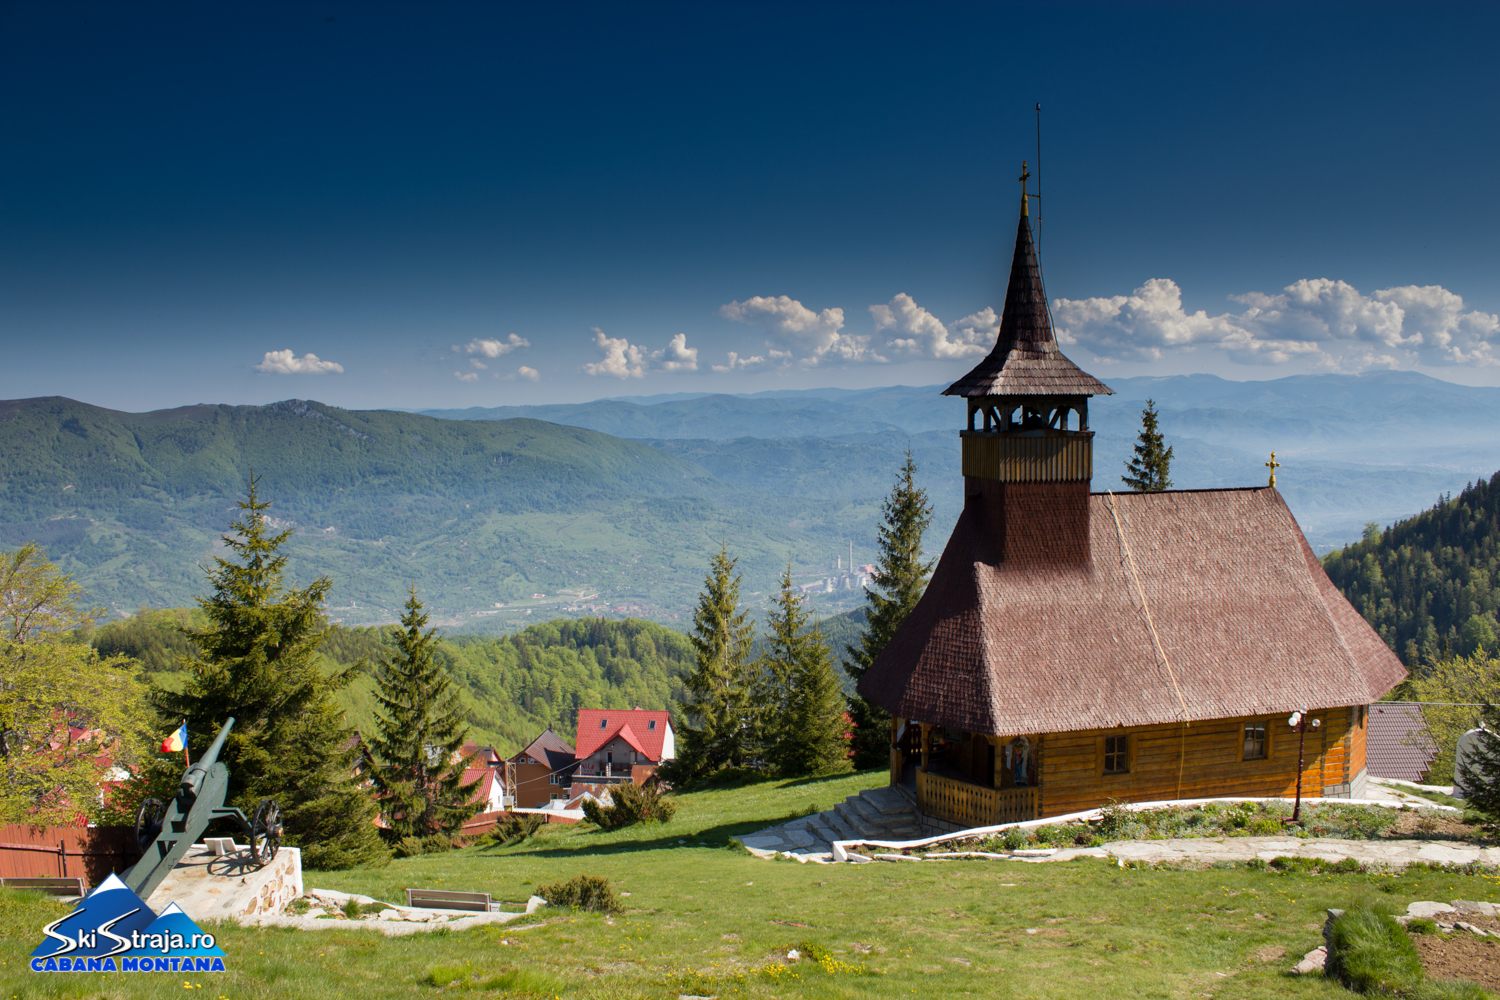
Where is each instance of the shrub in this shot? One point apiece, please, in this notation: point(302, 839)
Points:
point(1370, 953)
point(436, 843)
point(586, 892)
point(632, 804)
point(517, 829)
point(1421, 925)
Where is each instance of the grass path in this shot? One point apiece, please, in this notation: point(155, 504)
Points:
point(707, 920)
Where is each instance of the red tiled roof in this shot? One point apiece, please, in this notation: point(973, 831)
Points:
point(597, 726)
point(1398, 744)
point(1026, 360)
point(1012, 641)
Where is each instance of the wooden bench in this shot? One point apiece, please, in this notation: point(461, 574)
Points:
point(441, 899)
point(51, 886)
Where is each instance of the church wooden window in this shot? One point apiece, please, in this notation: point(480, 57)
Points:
point(1114, 755)
point(1256, 744)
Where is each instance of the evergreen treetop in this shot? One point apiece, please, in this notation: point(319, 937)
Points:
point(422, 723)
point(801, 706)
point(1149, 470)
point(1479, 773)
point(715, 708)
point(256, 661)
point(901, 577)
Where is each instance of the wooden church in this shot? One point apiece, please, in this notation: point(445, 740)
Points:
point(1075, 648)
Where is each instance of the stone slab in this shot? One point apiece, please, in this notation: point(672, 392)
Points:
point(227, 887)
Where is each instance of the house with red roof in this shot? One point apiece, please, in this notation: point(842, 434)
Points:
point(615, 745)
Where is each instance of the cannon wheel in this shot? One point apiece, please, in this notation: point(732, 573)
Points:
point(265, 832)
point(148, 822)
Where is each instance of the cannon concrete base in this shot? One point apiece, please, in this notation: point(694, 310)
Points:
point(213, 887)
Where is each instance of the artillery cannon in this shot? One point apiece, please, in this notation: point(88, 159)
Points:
point(165, 830)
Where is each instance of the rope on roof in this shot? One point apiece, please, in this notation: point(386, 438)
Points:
point(1156, 644)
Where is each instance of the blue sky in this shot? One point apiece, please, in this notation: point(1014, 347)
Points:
point(486, 204)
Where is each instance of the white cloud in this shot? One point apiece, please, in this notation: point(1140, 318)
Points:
point(476, 363)
point(808, 337)
point(918, 332)
point(735, 361)
point(676, 356)
point(492, 348)
point(530, 374)
point(622, 359)
point(287, 363)
point(466, 376)
point(1331, 321)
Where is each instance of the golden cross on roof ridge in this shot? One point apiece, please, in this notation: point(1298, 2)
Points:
point(1273, 465)
point(1025, 176)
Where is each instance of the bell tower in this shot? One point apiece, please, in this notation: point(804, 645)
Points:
point(1028, 453)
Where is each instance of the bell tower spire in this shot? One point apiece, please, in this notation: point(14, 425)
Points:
point(1028, 427)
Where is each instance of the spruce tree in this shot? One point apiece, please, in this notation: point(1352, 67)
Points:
point(901, 576)
point(716, 714)
point(422, 728)
point(1480, 772)
point(257, 661)
point(1149, 471)
point(803, 726)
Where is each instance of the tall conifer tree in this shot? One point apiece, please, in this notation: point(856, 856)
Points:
point(1150, 469)
point(901, 577)
point(423, 727)
point(802, 722)
point(716, 714)
point(257, 661)
point(1479, 773)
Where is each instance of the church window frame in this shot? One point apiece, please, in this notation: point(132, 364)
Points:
point(1254, 739)
point(1114, 755)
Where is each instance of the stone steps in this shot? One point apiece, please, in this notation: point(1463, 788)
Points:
point(874, 814)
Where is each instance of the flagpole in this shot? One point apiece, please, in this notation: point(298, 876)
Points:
point(185, 759)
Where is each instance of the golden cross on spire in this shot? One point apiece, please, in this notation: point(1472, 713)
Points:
point(1025, 176)
point(1273, 465)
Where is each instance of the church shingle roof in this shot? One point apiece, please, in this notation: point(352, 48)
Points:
point(1248, 621)
point(1026, 361)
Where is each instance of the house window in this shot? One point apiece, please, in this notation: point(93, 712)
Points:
point(554, 778)
point(1116, 755)
point(603, 723)
point(1255, 741)
point(651, 724)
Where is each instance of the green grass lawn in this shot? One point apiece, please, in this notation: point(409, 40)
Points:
point(705, 919)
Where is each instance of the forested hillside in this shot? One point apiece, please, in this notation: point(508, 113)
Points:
point(1430, 585)
point(514, 687)
point(481, 515)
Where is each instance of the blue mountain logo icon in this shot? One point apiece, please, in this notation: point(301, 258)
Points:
point(113, 930)
point(103, 923)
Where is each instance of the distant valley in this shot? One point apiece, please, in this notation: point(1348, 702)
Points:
point(613, 507)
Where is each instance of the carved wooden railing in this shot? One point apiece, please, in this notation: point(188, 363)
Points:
point(973, 805)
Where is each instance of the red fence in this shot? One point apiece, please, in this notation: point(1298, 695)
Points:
point(89, 853)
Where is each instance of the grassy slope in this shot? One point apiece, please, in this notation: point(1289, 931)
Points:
point(710, 921)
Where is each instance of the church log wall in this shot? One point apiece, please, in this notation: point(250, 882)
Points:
point(1211, 764)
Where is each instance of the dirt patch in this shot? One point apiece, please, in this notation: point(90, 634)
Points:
point(1269, 953)
point(1411, 825)
point(1463, 955)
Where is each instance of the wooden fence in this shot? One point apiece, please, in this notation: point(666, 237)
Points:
point(973, 805)
point(87, 852)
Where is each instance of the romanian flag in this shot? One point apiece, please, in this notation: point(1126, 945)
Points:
point(177, 741)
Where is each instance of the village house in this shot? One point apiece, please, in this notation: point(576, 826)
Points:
point(615, 745)
point(1076, 648)
point(543, 771)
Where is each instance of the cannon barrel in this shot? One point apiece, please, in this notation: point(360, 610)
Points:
point(193, 780)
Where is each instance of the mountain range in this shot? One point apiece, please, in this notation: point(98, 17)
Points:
point(613, 507)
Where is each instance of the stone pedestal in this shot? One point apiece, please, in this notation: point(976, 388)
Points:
point(227, 887)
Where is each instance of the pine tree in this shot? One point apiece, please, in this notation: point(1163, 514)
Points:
point(1480, 771)
point(1150, 470)
point(716, 713)
point(257, 661)
point(423, 726)
point(803, 726)
point(901, 576)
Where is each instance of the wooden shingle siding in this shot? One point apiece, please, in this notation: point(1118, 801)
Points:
point(1064, 457)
